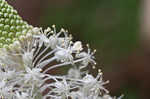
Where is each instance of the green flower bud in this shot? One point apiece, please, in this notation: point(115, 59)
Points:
point(11, 25)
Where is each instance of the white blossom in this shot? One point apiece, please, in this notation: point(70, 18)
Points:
point(89, 58)
point(25, 68)
point(33, 74)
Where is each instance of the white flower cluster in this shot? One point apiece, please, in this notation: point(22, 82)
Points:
point(25, 68)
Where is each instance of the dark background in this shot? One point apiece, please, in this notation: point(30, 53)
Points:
point(118, 29)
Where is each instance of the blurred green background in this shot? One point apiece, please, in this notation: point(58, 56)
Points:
point(110, 26)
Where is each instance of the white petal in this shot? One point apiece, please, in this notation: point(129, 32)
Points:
point(77, 46)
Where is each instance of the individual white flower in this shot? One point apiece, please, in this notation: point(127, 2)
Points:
point(57, 40)
point(93, 86)
point(63, 54)
point(58, 89)
point(42, 39)
point(33, 75)
point(89, 58)
point(61, 87)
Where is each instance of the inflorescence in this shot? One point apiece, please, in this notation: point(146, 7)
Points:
point(29, 54)
point(26, 65)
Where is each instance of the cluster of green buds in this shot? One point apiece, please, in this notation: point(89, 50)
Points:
point(11, 25)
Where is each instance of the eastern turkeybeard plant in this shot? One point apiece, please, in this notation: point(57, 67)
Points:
point(28, 55)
